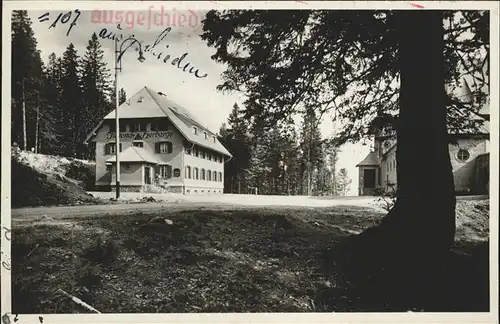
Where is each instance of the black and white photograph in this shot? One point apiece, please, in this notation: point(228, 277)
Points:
point(224, 157)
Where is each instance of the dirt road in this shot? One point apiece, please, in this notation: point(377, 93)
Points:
point(67, 212)
point(181, 202)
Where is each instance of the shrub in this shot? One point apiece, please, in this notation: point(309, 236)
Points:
point(83, 173)
point(387, 197)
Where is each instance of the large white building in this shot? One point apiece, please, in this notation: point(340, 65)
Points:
point(162, 148)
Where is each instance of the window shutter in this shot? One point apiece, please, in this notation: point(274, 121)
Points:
point(169, 147)
point(157, 147)
point(106, 149)
point(169, 171)
point(120, 147)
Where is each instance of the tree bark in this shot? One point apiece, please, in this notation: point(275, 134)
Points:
point(36, 128)
point(426, 195)
point(408, 250)
point(25, 145)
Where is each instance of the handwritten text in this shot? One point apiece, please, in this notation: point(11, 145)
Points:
point(63, 18)
point(154, 50)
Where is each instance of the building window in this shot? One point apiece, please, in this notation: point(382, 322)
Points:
point(164, 147)
point(110, 148)
point(109, 167)
point(160, 125)
point(138, 143)
point(209, 175)
point(165, 171)
point(196, 173)
point(214, 139)
point(206, 136)
point(202, 174)
point(177, 173)
point(220, 176)
point(112, 127)
point(195, 131)
point(463, 155)
point(188, 172)
point(188, 151)
point(203, 154)
point(137, 127)
point(214, 176)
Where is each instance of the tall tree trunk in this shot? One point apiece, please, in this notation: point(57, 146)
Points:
point(25, 145)
point(37, 127)
point(426, 196)
point(408, 250)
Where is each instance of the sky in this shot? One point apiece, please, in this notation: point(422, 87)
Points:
point(197, 95)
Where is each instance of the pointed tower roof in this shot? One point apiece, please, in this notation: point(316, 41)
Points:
point(370, 160)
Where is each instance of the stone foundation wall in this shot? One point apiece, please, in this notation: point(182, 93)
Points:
point(175, 189)
point(103, 188)
point(202, 191)
point(127, 188)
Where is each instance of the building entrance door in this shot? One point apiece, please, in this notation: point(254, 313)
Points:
point(369, 180)
point(147, 175)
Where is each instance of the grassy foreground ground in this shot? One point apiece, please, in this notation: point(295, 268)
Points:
point(219, 259)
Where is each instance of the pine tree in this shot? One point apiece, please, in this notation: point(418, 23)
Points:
point(51, 125)
point(26, 80)
point(359, 64)
point(343, 182)
point(95, 91)
point(122, 96)
point(312, 150)
point(71, 101)
point(235, 136)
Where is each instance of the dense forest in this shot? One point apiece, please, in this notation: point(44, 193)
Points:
point(56, 104)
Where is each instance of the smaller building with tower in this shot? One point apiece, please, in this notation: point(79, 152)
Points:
point(469, 154)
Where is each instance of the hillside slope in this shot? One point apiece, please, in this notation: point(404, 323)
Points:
point(44, 180)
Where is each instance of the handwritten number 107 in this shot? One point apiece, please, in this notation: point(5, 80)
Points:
point(64, 18)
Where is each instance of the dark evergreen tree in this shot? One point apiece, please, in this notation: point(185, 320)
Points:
point(96, 90)
point(235, 137)
point(122, 94)
point(361, 64)
point(50, 122)
point(312, 150)
point(26, 81)
point(343, 182)
point(71, 102)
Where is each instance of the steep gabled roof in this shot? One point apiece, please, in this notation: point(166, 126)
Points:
point(370, 160)
point(147, 103)
point(134, 154)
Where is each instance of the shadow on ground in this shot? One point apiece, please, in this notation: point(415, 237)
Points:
point(253, 260)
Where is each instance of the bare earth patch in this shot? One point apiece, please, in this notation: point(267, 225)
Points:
point(218, 259)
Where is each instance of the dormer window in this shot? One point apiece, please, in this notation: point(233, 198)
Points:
point(139, 100)
point(206, 136)
point(214, 139)
point(195, 131)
